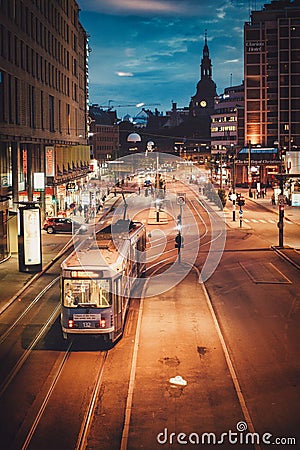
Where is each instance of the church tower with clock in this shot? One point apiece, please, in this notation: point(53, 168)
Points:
point(202, 103)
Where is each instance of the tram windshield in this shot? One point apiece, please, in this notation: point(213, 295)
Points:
point(87, 293)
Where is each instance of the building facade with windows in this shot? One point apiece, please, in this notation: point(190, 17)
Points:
point(227, 121)
point(104, 134)
point(272, 91)
point(272, 75)
point(43, 102)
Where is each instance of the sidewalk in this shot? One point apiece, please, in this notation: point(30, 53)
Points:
point(291, 213)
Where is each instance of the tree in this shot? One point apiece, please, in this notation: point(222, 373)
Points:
point(222, 196)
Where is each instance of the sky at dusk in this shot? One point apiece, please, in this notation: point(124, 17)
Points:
point(150, 50)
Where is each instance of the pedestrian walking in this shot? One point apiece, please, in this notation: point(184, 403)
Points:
point(273, 199)
point(179, 245)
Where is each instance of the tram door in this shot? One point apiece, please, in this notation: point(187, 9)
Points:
point(117, 302)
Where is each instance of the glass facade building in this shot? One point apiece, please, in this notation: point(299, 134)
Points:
point(272, 75)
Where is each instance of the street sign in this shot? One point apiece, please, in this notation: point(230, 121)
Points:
point(71, 186)
point(181, 199)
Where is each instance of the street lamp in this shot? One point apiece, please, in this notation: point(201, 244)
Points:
point(133, 138)
point(281, 199)
point(233, 195)
point(249, 167)
point(150, 147)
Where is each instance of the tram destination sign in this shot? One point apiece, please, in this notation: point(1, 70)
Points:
point(87, 316)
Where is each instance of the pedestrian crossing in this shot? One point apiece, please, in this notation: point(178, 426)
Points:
point(263, 221)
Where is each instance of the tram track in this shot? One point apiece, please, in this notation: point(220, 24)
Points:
point(30, 435)
point(69, 246)
point(38, 416)
point(90, 406)
point(46, 399)
point(21, 361)
point(88, 418)
point(27, 309)
point(24, 315)
point(171, 253)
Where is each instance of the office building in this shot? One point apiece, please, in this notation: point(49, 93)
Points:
point(227, 121)
point(43, 104)
point(272, 75)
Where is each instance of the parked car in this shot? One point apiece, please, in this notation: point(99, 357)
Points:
point(63, 225)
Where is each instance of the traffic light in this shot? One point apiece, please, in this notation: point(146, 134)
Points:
point(281, 212)
point(241, 201)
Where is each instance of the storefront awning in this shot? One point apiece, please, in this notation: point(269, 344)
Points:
point(258, 150)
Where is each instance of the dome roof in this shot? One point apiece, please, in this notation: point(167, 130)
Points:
point(134, 137)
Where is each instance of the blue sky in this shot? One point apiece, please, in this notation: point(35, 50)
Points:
point(150, 50)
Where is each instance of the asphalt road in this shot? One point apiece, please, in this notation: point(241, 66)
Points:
point(233, 341)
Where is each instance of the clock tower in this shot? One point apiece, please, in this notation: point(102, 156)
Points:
point(202, 103)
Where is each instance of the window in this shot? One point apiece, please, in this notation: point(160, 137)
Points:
point(17, 93)
point(16, 51)
point(253, 70)
point(252, 58)
point(253, 106)
point(95, 293)
point(68, 118)
point(10, 96)
point(2, 103)
point(42, 109)
point(31, 95)
point(51, 113)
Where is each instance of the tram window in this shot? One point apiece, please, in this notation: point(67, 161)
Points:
point(95, 293)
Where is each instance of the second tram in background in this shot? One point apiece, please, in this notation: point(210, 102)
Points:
point(97, 278)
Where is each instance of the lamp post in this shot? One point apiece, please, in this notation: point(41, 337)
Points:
point(157, 187)
point(281, 198)
point(249, 167)
point(133, 138)
point(233, 196)
point(221, 169)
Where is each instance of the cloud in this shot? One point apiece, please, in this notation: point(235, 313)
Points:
point(124, 74)
point(229, 61)
point(130, 52)
point(146, 7)
point(151, 50)
point(137, 7)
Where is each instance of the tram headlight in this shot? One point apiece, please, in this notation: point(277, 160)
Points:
point(71, 323)
point(102, 323)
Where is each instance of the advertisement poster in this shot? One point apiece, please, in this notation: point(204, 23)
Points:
point(32, 236)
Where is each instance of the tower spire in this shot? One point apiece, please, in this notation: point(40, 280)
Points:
point(206, 67)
